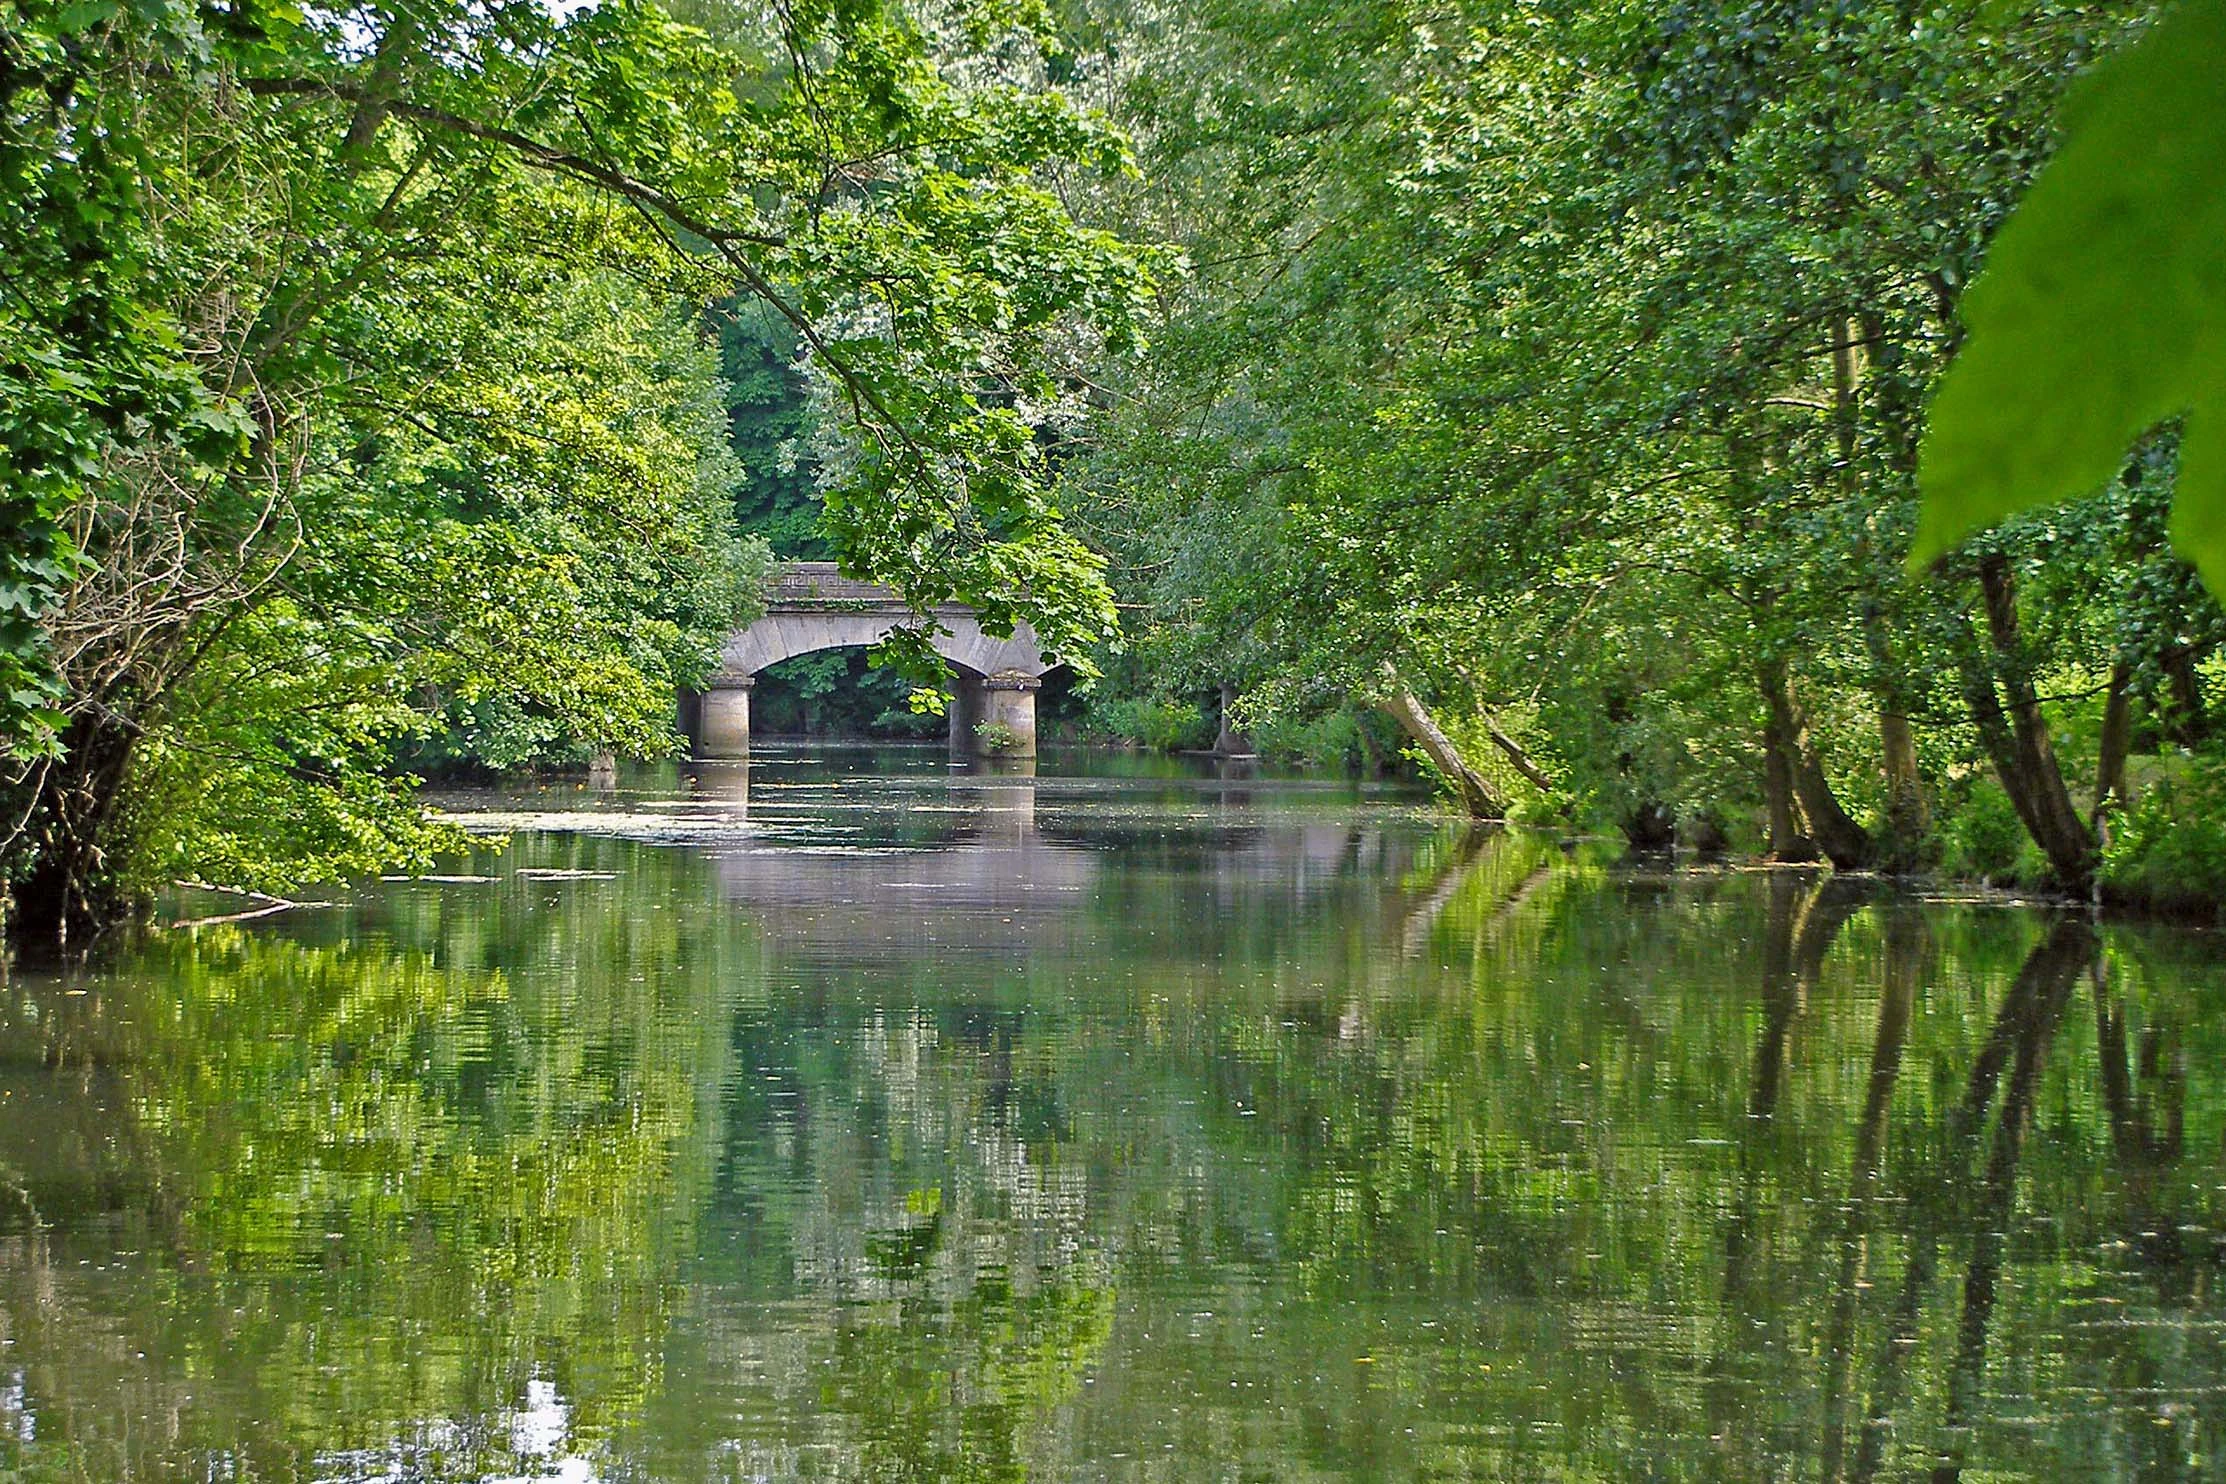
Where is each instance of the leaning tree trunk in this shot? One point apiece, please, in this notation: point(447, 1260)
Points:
point(1518, 757)
point(2006, 708)
point(1407, 709)
point(1844, 842)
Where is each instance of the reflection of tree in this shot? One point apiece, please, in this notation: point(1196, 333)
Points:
point(2038, 1000)
point(2143, 1068)
point(2023, 1028)
point(1515, 1156)
point(1904, 955)
point(954, 1389)
point(1803, 915)
point(387, 1193)
point(915, 1274)
point(2144, 1084)
point(1614, 1178)
point(1439, 879)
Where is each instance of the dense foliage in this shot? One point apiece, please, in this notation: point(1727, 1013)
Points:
point(1555, 377)
point(359, 407)
point(778, 430)
point(1544, 384)
point(2093, 321)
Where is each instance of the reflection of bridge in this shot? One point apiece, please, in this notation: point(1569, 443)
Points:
point(814, 607)
point(896, 861)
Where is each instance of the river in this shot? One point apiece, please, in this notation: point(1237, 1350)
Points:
point(846, 1116)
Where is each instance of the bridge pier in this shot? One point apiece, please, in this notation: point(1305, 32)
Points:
point(723, 717)
point(1009, 701)
point(963, 710)
point(1006, 701)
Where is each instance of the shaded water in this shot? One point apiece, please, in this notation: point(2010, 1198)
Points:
point(873, 1122)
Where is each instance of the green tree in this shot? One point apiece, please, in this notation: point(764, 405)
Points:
point(773, 432)
point(366, 254)
point(2096, 318)
point(1572, 369)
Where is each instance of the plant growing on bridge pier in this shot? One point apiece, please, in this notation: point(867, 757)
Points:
point(995, 736)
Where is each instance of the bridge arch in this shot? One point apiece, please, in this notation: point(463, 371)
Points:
point(813, 607)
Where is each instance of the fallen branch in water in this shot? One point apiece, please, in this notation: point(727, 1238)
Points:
point(271, 905)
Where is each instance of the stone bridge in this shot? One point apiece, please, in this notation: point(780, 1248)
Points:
point(814, 607)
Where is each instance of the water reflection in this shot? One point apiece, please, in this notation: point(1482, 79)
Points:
point(721, 787)
point(902, 1124)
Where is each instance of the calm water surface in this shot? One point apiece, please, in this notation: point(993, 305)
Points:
point(860, 1119)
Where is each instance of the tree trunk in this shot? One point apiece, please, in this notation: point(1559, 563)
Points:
point(1905, 823)
point(2187, 723)
point(1522, 760)
point(1844, 842)
point(70, 891)
point(1228, 741)
point(1846, 412)
point(1372, 757)
point(1907, 818)
point(2007, 710)
point(1650, 825)
point(1475, 794)
point(1788, 840)
point(2117, 737)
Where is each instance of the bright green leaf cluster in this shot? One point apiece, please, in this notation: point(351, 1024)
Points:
point(2102, 311)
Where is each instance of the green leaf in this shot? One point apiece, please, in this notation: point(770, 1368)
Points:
point(83, 15)
point(2102, 311)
